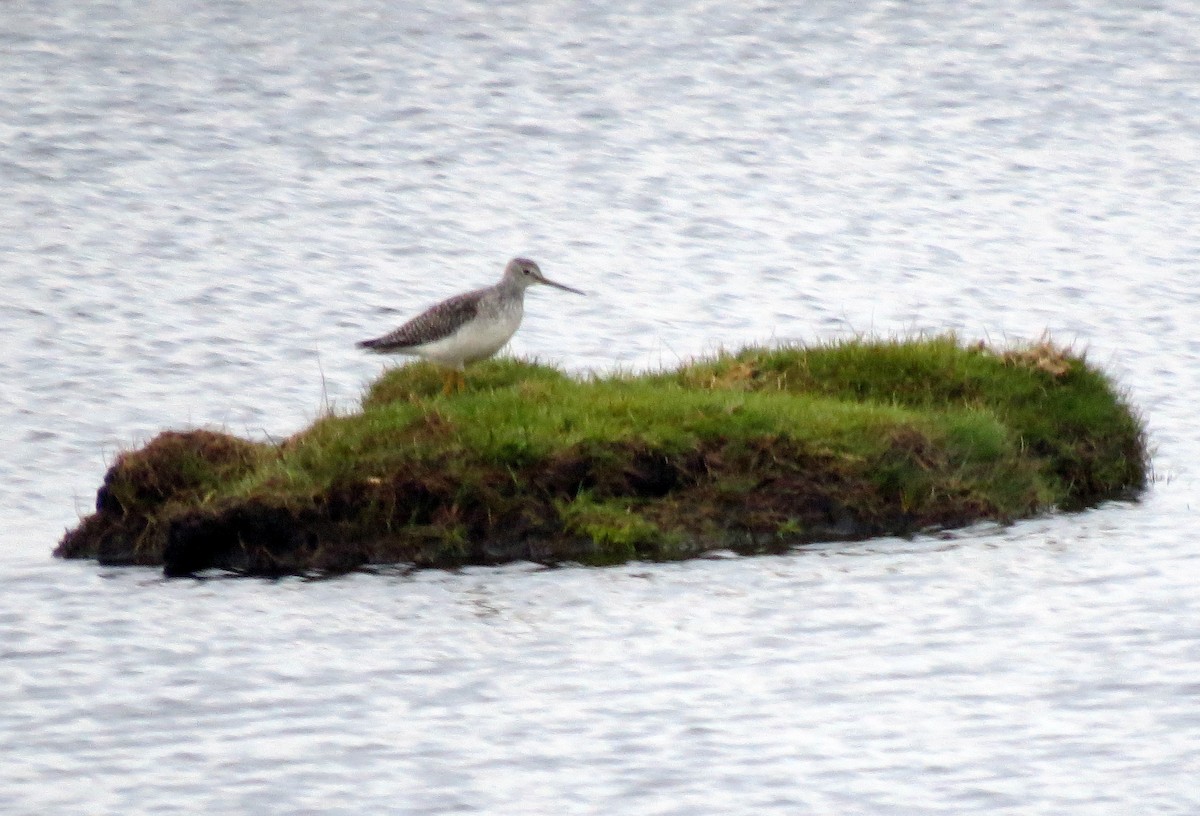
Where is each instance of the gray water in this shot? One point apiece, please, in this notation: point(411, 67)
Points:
point(203, 205)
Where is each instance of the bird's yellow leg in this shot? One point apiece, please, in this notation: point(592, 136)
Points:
point(453, 382)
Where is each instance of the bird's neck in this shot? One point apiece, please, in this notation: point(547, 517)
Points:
point(511, 286)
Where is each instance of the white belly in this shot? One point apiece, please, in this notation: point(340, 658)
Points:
point(475, 341)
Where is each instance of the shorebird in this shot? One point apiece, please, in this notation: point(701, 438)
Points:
point(467, 327)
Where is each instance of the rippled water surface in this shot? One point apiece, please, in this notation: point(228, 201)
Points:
point(205, 204)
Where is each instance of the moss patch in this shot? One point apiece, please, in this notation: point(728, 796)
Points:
point(755, 451)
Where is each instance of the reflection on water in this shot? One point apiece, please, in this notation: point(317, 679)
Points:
point(205, 206)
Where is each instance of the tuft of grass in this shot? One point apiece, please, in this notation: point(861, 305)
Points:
point(1065, 412)
point(753, 450)
point(615, 530)
point(143, 489)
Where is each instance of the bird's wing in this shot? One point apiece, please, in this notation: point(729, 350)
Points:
point(435, 323)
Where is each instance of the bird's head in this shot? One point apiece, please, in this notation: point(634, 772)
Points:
point(526, 273)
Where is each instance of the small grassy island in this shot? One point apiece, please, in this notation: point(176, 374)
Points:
point(755, 451)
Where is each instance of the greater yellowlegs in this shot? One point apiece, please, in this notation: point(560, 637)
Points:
point(467, 327)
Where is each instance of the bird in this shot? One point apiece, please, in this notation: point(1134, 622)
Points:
point(467, 327)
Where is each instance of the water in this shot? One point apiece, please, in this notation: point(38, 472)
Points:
point(206, 204)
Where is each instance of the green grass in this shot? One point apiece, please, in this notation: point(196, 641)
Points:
point(755, 450)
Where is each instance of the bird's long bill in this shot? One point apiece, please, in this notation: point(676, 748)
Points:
point(562, 286)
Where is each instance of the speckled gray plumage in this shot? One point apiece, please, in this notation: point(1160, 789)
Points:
point(435, 323)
